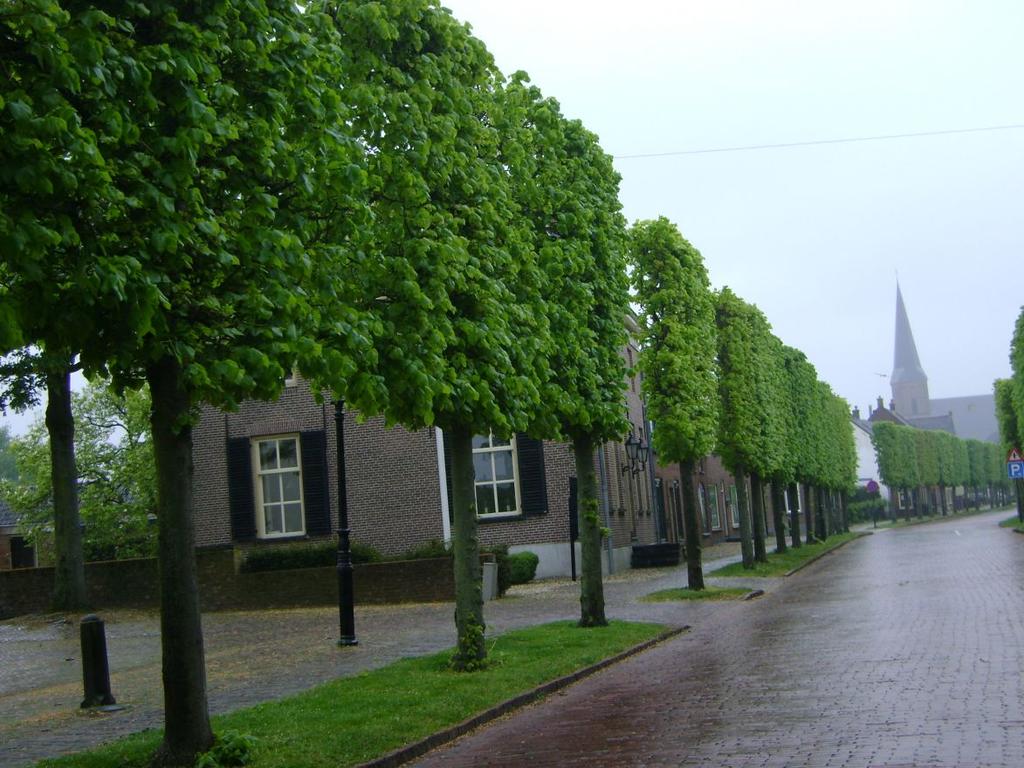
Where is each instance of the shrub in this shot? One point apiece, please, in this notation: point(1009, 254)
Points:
point(864, 511)
point(230, 750)
point(522, 567)
point(286, 557)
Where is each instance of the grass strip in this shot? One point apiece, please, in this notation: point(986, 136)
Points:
point(352, 720)
point(1014, 523)
point(790, 560)
point(685, 593)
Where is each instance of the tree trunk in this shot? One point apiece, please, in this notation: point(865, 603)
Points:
point(942, 495)
point(779, 515)
point(746, 534)
point(809, 513)
point(844, 506)
point(591, 584)
point(757, 514)
point(69, 570)
point(691, 528)
point(794, 514)
point(469, 603)
point(186, 717)
point(820, 529)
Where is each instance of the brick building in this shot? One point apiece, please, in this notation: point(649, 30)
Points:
point(268, 473)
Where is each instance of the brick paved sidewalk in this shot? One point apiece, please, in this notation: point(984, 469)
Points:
point(258, 656)
point(904, 652)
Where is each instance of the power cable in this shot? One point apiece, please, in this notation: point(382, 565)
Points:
point(851, 140)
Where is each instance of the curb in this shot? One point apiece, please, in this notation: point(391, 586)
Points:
point(816, 558)
point(419, 748)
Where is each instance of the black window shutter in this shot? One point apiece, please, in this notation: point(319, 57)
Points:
point(447, 471)
point(241, 503)
point(315, 483)
point(533, 483)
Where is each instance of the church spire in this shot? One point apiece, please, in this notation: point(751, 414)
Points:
point(909, 381)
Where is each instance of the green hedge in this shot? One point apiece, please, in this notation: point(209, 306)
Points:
point(512, 569)
point(286, 557)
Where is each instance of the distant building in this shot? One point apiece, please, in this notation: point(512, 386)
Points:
point(15, 552)
point(969, 417)
point(867, 460)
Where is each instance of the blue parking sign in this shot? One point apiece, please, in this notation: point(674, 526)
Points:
point(1015, 469)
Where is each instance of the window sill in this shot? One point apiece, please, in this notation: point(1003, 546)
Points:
point(483, 519)
point(281, 539)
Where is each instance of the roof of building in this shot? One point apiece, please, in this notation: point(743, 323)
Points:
point(940, 422)
point(864, 424)
point(7, 517)
point(881, 413)
point(974, 416)
point(906, 365)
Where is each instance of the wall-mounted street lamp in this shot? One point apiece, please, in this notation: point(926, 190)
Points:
point(636, 452)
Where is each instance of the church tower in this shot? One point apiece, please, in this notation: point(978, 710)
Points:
point(909, 382)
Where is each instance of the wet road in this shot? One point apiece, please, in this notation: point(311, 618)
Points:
point(902, 649)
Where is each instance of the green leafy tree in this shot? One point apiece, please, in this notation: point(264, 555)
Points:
point(801, 381)
point(896, 451)
point(8, 464)
point(977, 457)
point(741, 437)
point(679, 347)
point(460, 336)
point(567, 190)
point(947, 449)
point(961, 473)
point(1010, 433)
point(927, 454)
point(115, 480)
point(199, 136)
point(1017, 397)
point(772, 465)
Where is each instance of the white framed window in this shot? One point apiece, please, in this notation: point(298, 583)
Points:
point(716, 519)
point(496, 476)
point(277, 466)
point(735, 506)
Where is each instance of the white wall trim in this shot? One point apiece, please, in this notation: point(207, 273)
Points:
point(442, 478)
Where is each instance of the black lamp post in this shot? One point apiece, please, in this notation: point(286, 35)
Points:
point(346, 600)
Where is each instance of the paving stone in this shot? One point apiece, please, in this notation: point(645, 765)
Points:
point(259, 656)
point(903, 649)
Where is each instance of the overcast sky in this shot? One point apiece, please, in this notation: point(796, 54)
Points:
point(813, 235)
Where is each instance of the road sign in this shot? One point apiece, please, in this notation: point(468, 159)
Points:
point(1014, 455)
point(1015, 469)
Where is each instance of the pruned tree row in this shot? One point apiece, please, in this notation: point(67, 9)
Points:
point(203, 198)
point(717, 380)
point(920, 465)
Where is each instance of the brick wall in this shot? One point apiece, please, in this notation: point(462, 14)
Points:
point(133, 584)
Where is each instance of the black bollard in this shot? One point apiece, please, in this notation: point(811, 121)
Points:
point(95, 670)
